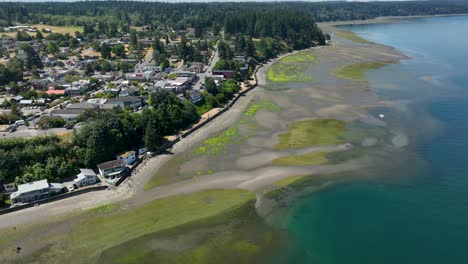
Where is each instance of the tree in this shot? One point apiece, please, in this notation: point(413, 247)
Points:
point(133, 40)
point(153, 137)
point(119, 50)
point(105, 51)
point(32, 58)
point(23, 36)
point(210, 86)
point(39, 35)
point(52, 47)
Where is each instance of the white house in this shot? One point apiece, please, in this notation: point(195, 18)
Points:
point(37, 190)
point(128, 157)
point(111, 169)
point(86, 177)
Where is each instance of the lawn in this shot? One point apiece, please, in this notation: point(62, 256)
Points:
point(351, 36)
point(357, 71)
point(62, 30)
point(291, 68)
point(312, 132)
point(314, 158)
point(90, 232)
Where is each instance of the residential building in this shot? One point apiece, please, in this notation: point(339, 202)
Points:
point(111, 169)
point(178, 85)
point(227, 74)
point(195, 96)
point(85, 177)
point(126, 101)
point(128, 157)
point(74, 91)
point(68, 115)
point(83, 106)
point(9, 187)
point(34, 191)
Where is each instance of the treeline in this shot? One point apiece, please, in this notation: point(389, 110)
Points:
point(106, 134)
point(25, 160)
point(201, 15)
point(103, 136)
point(258, 20)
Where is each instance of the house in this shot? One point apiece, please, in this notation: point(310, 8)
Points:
point(104, 77)
point(187, 74)
point(128, 157)
point(9, 187)
point(69, 115)
point(227, 74)
point(126, 101)
point(130, 91)
point(51, 90)
point(178, 85)
point(17, 99)
point(111, 169)
point(85, 177)
point(83, 106)
point(74, 91)
point(195, 96)
point(33, 191)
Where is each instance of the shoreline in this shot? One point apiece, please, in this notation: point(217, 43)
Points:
point(132, 191)
point(384, 20)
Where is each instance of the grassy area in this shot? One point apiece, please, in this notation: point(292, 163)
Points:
point(242, 238)
point(302, 56)
point(291, 68)
point(218, 144)
point(357, 71)
point(314, 158)
point(279, 72)
point(351, 36)
point(62, 30)
point(255, 107)
point(81, 238)
point(312, 132)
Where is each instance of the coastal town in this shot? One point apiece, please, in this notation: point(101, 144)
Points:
point(62, 80)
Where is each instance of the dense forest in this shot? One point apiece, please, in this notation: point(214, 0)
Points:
point(214, 15)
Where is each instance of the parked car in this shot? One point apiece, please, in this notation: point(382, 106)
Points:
point(70, 188)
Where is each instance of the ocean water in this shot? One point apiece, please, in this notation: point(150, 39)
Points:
point(417, 212)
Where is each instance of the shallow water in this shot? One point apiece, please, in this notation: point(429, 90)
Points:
point(414, 211)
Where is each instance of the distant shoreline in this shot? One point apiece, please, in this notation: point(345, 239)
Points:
point(383, 20)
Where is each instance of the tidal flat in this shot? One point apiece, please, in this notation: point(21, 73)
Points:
point(291, 130)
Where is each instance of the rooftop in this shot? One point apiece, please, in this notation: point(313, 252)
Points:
point(33, 186)
point(110, 164)
point(127, 154)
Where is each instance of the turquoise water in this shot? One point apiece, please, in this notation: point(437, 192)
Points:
point(422, 217)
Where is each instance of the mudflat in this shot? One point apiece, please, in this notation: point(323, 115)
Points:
point(308, 116)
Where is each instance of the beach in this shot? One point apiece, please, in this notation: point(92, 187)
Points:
point(250, 156)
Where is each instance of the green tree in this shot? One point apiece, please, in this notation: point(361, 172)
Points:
point(119, 50)
point(133, 40)
point(32, 58)
point(105, 51)
point(210, 86)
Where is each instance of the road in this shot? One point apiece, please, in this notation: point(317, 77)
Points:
point(208, 72)
point(146, 61)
